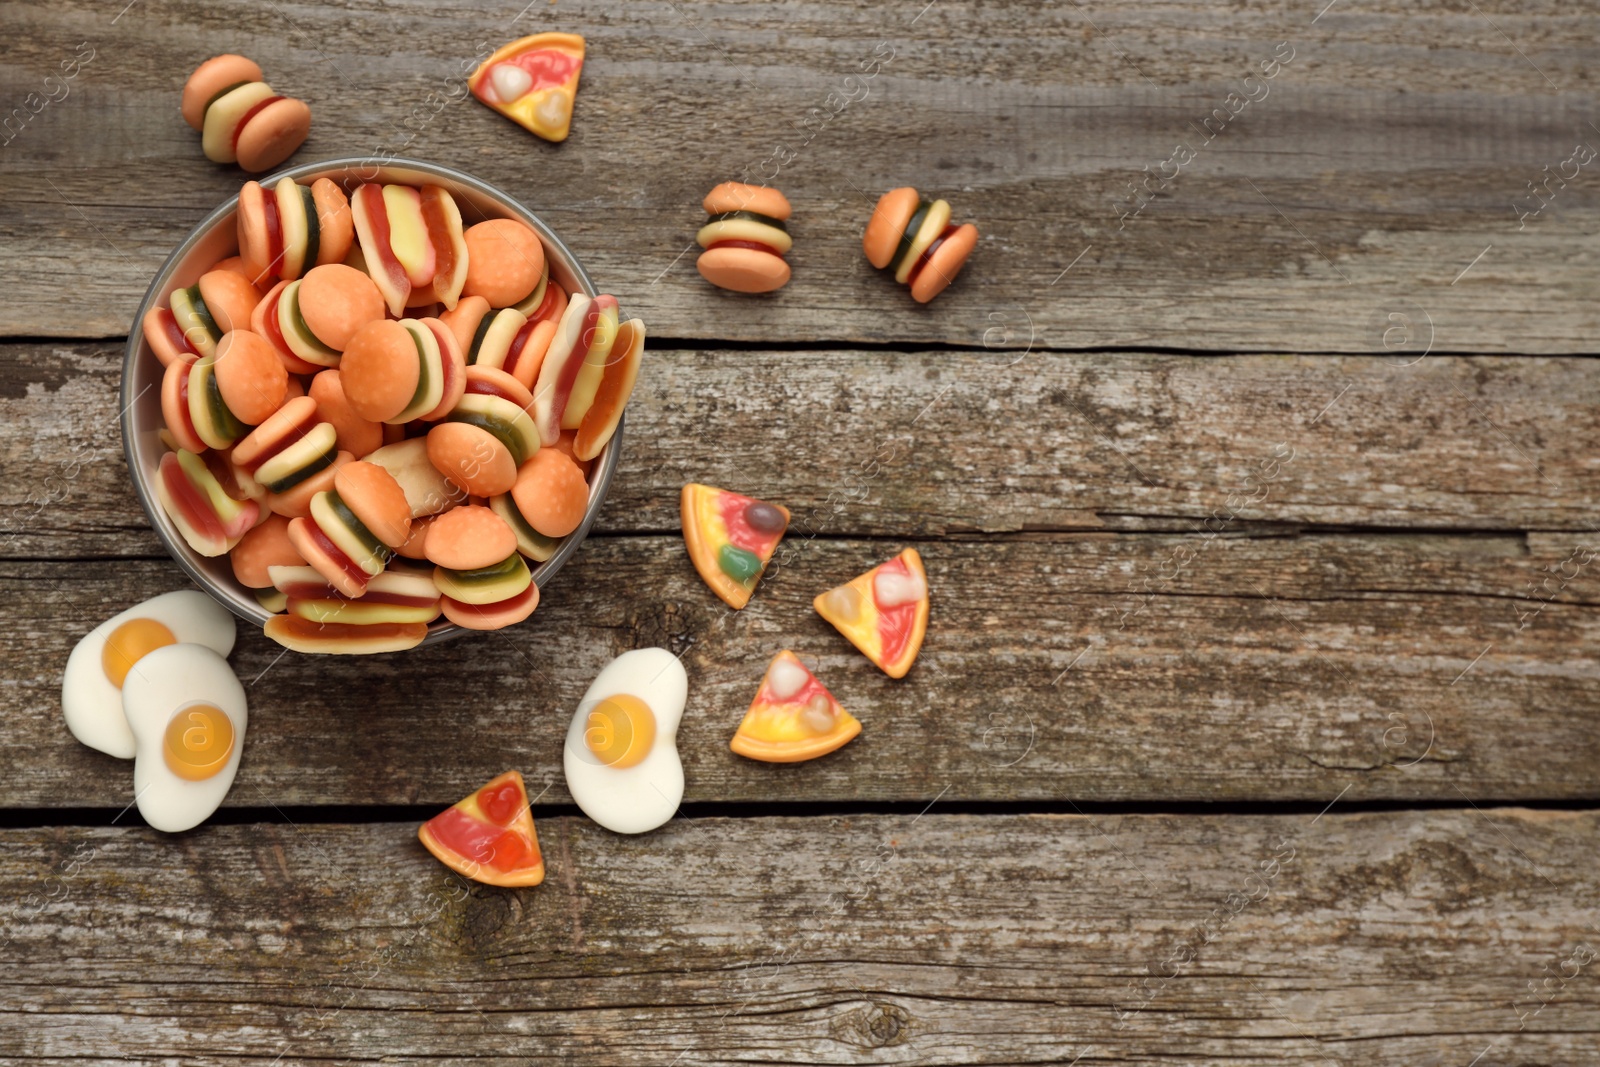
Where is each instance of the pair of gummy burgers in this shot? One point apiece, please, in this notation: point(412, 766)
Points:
point(747, 236)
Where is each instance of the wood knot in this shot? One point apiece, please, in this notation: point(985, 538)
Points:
point(876, 1025)
point(486, 915)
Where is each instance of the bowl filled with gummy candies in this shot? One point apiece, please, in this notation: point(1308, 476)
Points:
point(369, 406)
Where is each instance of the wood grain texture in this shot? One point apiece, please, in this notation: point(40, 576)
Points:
point(1064, 668)
point(1387, 168)
point(1407, 937)
point(932, 444)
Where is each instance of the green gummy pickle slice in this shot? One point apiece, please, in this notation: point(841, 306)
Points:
point(752, 216)
point(738, 564)
point(904, 248)
point(313, 229)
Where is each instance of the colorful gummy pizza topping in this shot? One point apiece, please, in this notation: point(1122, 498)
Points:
point(730, 538)
point(489, 837)
point(533, 82)
point(793, 716)
point(745, 238)
point(239, 116)
point(883, 612)
point(915, 241)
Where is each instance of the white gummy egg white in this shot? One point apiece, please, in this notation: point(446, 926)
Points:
point(92, 702)
point(188, 715)
point(629, 799)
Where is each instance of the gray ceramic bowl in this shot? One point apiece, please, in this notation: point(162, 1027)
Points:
point(213, 240)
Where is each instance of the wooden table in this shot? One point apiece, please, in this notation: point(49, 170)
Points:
point(1254, 460)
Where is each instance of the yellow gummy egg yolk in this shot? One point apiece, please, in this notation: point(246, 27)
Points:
point(620, 730)
point(198, 742)
point(130, 643)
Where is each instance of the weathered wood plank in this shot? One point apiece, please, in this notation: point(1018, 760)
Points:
point(1408, 937)
point(930, 444)
point(1095, 667)
point(1387, 168)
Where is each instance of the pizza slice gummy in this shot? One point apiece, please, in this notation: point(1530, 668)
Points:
point(793, 716)
point(532, 81)
point(883, 612)
point(731, 539)
point(489, 836)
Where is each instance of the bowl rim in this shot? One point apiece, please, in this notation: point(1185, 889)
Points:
point(346, 170)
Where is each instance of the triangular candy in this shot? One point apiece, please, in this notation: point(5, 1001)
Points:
point(489, 836)
point(731, 539)
point(884, 612)
point(793, 716)
point(533, 81)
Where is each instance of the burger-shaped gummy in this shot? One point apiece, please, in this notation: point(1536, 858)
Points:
point(745, 239)
point(913, 239)
point(227, 393)
point(354, 528)
point(288, 229)
point(504, 339)
point(293, 444)
point(484, 580)
point(487, 436)
point(196, 317)
point(401, 371)
point(240, 119)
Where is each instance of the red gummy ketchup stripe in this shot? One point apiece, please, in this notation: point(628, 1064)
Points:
point(336, 554)
point(445, 340)
point(569, 373)
point(269, 215)
point(175, 336)
point(757, 245)
point(378, 218)
point(520, 341)
point(196, 509)
point(508, 604)
point(922, 261)
point(184, 414)
point(274, 330)
point(289, 437)
point(438, 227)
point(483, 388)
point(245, 121)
